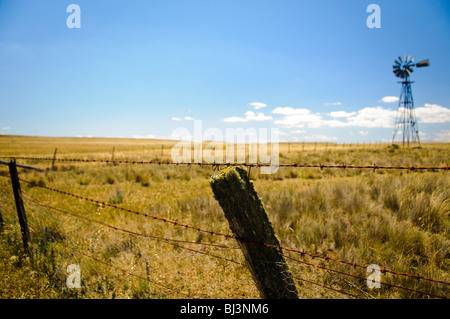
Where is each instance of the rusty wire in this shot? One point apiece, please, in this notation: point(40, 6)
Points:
point(135, 275)
point(90, 220)
point(326, 287)
point(354, 265)
point(321, 166)
point(301, 252)
point(102, 203)
point(359, 277)
point(170, 241)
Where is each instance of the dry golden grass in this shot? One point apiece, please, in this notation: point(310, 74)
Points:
point(396, 219)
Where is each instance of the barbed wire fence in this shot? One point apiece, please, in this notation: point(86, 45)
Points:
point(300, 254)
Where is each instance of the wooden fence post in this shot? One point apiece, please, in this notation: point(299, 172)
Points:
point(112, 156)
point(54, 159)
point(250, 224)
point(19, 205)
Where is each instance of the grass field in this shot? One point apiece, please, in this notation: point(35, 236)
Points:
point(396, 219)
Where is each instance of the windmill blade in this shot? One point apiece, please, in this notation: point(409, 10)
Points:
point(400, 59)
point(398, 73)
point(423, 63)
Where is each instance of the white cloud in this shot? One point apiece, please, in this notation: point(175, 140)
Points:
point(188, 118)
point(433, 113)
point(6, 128)
point(342, 114)
point(320, 137)
point(368, 117)
point(364, 133)
point(390, 99)
point(298, 131)
point(176, 119)
point(258, 105)
point(442, 136)
point(297, 117)
point(249, 116)
point(333, 103)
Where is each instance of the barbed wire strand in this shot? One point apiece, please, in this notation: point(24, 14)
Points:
point(217, 164)
point(135, 275)
point(363, 278)
point(102, 203)
point(174, 240)
point(159, 238)
point(153, 237)
point(169, 242)
point(354, 265)
point(327, 287)
point(90, 220)
point(162, 239)
point(301, 252)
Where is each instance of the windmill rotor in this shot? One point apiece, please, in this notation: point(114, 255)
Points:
point(403, 68)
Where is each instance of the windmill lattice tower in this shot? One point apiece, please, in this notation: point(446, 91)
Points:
point(406, 118)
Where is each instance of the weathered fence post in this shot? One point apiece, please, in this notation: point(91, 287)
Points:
point(250, 224)
point(19, 204)
point(112, 156)
point(54, 159)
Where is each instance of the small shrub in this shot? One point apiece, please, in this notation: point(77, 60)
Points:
point(145, 182)
point(84, 180)
point(117, 198)
point(110, 180)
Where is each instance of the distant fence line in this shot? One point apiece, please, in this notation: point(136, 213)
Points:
point(290, 165)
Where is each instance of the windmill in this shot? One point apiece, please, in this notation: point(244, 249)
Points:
point(406, 118)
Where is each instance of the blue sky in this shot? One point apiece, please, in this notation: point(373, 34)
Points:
point(313, 69)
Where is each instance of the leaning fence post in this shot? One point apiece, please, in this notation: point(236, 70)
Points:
point(19, 204)
point(250, 224)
